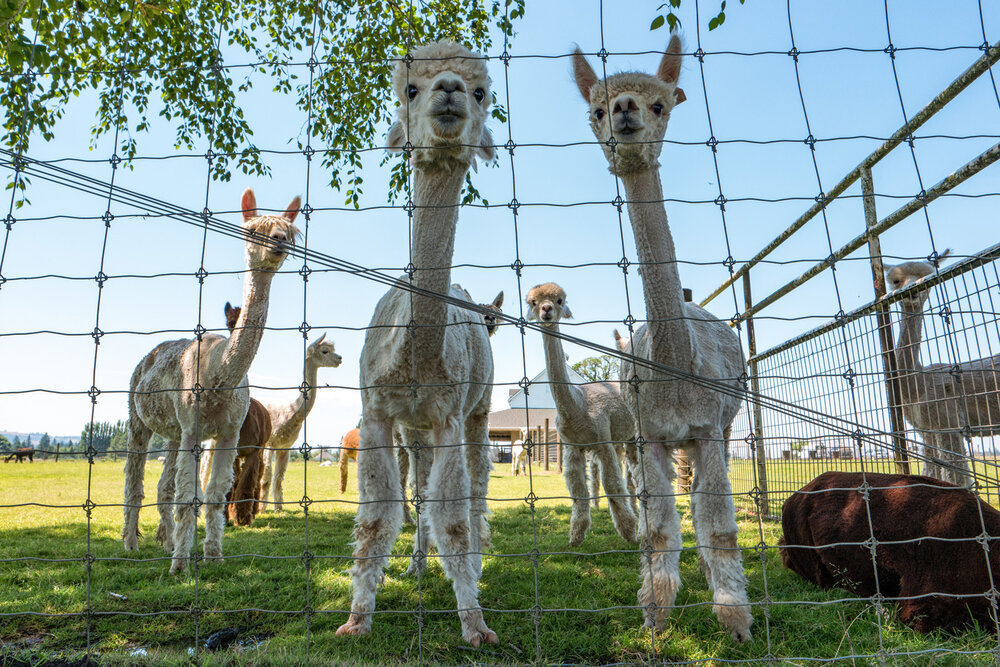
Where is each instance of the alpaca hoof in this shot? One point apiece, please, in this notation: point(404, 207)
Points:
point(415, 569)
point(178, 565)
point(734, 614)
point(485, 635)
point(356, 626)
point(576, 541)
point(213, 553)
point(131, 542)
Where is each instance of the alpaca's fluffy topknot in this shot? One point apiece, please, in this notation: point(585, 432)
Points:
point(427, 62)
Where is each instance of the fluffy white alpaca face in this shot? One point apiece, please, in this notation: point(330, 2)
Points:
point(632, 109)
point(444, 97)
point(547, 304)
point(270, 236)
point(907, 273)
point(322, 352)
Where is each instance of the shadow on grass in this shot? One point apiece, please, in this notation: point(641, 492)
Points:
point(546, 602)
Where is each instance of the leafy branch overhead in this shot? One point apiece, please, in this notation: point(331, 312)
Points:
point(671, 20)
point(194, 62)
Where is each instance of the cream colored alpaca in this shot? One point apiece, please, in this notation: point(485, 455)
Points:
point(590, 418)
point(287, 419)
point(938, 402)
point(163, 399)
point(436, 374)
point(518, 458)
point(634, 108)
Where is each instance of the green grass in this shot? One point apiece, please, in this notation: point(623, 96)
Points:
point(579, 594)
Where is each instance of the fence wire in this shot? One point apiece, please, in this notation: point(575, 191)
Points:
point(830, 399)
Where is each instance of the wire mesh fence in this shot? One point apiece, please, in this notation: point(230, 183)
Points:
point(144, 261)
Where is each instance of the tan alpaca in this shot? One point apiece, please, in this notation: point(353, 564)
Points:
point(163, 400)
point(634, 108)
point(444, 99)
point(287, 419)
point(938, 402)
point(590, 418)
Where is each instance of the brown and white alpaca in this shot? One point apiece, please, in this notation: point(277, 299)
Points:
point(590, 418)
point(437, 374)
point(189, 391)
point(287, 418)
point(633, 109)
point(938, 401)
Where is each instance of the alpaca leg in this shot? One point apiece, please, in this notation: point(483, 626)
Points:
point(165, 498)
point(245, 488)
point(205, 467)
point(280, 467)
point(932, 454)
point(377, 523)
point(659, 531)
point(220, 482)
point(403, 458)
point(135, 467)
point(477, 460)
point(595, 480)
point(265, 485)
point(714, 518)
point(575, 472)
point(953, 453)
point(344, 460)
point(188, 495)
point(614, 486)
point(450, 511)
point(422, 459)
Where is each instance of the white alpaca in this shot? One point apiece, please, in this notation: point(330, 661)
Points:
point(937, 401)
point(287, 419)
point(634, 108)
point(518, 458)
point(435, 374)
point(189, 391)
point(590, 418)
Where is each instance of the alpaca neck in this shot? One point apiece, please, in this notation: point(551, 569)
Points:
point(911, 325)
point(670, 333)
point(566, 395)
point(302, 405)
point(436, 195)
point(243, 342)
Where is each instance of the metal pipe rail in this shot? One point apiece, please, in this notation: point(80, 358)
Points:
point(983, 64)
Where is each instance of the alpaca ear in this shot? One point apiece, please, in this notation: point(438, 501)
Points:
point(485, 149)
point(670, 67)
point(584, 74)
point(566, 313)
point(292, 209)
point(320, 339)
point(248, 204)
point(396, 138)
point(679, 96)
point(498, 301)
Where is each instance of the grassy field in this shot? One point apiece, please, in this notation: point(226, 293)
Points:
point(581, 599)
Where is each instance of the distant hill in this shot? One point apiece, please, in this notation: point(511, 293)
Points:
point(10, 435)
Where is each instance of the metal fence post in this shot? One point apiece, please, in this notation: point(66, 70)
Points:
point(546, 443)
point(759, 447)
point(892, 389)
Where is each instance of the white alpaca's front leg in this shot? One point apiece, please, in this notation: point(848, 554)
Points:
point(449, 510)
point(188, 495)
point(220, 482)
point(280, 467)
point(614, 486)
point(714, 517)
point(659, 534)
point(575, 472)
point(422, 460)
point(165, 498)
point(377, 523)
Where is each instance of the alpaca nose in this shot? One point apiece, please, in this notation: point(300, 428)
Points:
point(625, 104)
point(449, 84)
point(547, 308)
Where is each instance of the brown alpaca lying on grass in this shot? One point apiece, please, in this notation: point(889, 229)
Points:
point(927, 548)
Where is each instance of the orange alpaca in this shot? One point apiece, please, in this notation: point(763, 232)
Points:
point(348, 452)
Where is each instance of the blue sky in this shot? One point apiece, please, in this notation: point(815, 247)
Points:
point(846, 94)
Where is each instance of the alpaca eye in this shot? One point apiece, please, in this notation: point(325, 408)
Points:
point(599, 114)
point(559, 301)
point(411, 91)
point(479, 94)
point(657, 108)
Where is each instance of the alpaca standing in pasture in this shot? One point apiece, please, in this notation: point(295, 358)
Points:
point(519, 458)
point(590, 418)
point(633, 109)
point(189, 391)
point(928, 543)
point(941, 399)
point(434, 377)
point(287, 418)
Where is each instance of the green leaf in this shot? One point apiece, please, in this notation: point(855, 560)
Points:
point(657, 23)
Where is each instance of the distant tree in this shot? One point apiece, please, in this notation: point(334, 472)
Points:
point(99, 435)
point(45, 441)
point(598, 369)
point(5, 444)
point(17, 442)
point(27, 443)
